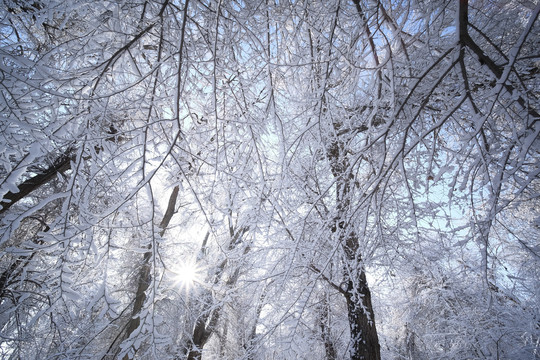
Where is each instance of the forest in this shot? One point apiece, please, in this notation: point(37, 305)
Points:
point(269, 179)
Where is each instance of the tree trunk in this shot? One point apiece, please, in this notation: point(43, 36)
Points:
point(364, 339)
point(324, 324)
point(208, 320)
point(202, 330)
point(144, 274)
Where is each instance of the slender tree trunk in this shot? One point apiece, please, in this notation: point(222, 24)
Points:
point(364, 339)
point(252, 339)
point(203, 331)
point(324, 324)
point(144, 273)
point(207, 322)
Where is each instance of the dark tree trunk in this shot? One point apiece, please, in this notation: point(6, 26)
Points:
point(195, 354)
point(207, 322)
point(202, 330)
point(364, 339)
point(324, 320)
point(144, 273)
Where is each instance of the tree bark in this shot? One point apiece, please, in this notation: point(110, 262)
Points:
point(144, 274)
point(364, 339)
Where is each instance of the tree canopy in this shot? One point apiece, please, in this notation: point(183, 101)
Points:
point(198, 179)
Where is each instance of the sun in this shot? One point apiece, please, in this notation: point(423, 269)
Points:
point(187, 274)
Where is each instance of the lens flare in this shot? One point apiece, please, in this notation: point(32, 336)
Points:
point(187, 274)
